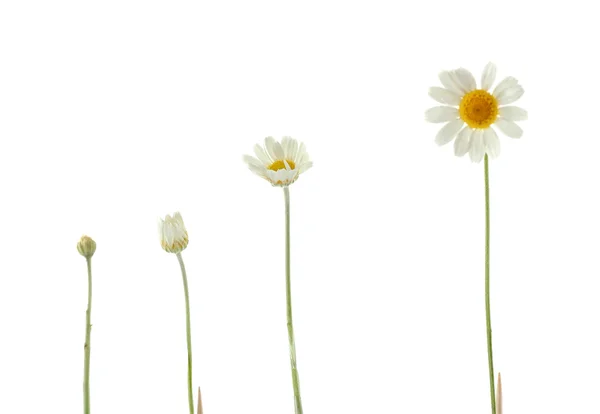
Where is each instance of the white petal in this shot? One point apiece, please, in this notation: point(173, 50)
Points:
point(285, 142)
point(513, 113)
point(304, 167)
point(292, 149)
point(444, 96)
point(258, 170)
point(448, 132)
point(463, 141)
point(449, 83)
point(510, 95)
point(253, 161)
point(273, 176)
point(477, 148)
point(168, 236)
point(301, 154)
point(488, 77)
point(491, 141)
point(458, 83)
point(439, 114)
point(269, 144)
point(509, 128)
point(290, 175)
point(160, 224)
point(262, 155)
point(281, 177)
point(466, 79)
point(278, 150)
point(256, 166)
point(506, 83)
point(178, 218)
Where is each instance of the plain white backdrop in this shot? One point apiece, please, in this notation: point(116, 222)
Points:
point(113, 113)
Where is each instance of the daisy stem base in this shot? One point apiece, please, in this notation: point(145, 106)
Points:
point(188, 333)
point(288, 295)
point(488, 320)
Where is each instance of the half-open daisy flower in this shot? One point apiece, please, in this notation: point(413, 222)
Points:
point(172, 233)
point(479, 109)
point(279, 163)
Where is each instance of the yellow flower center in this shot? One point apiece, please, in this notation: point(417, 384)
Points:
point(279, 165)
point(479, 109)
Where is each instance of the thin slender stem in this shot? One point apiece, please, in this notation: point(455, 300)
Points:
point(188, 332)
point(288, 295)
point(86, 347)
point(488, 319)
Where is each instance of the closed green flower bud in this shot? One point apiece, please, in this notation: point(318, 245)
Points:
point(86, 247)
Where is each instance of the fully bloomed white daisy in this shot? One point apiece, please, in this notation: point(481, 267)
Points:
point(172, 233)
point(470, 112)
point(279, 163)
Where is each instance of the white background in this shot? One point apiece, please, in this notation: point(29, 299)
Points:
point(113, 113)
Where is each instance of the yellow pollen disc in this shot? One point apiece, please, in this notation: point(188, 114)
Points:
point(479, 109)
point(279, 165)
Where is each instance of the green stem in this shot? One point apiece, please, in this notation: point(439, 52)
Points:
point(488, 319)
point(188, 331)
point(86, 347)
point(288, 295)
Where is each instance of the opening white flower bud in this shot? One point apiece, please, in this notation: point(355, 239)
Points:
point(172, 233)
